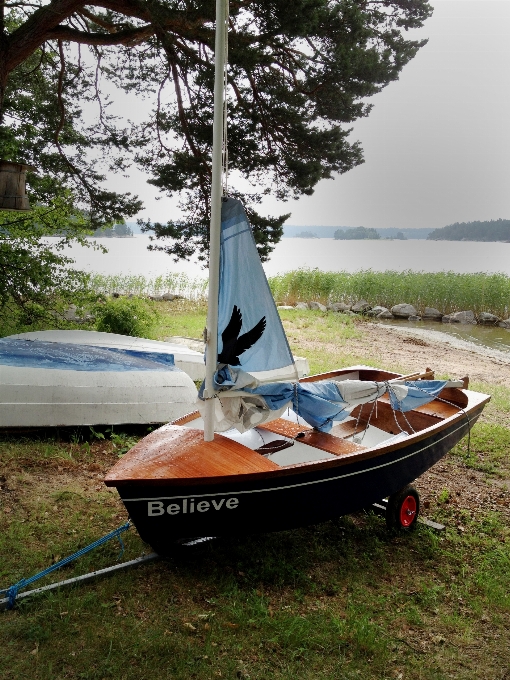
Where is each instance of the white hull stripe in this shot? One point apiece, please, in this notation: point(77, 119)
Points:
point(293, 486)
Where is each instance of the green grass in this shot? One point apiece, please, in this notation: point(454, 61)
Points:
point(487, 449)
point(447, 291)
point(321, 337)
point(183, 318)
point(342, 600)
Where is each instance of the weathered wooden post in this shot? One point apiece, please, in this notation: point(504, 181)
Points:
point(12, 186)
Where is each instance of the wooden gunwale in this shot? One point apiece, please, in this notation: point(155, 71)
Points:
point(475, 402)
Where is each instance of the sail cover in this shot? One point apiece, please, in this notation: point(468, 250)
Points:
point(250, 333)
point(243, 403)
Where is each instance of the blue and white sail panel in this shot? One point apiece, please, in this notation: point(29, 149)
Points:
point(250, 332)
point(415, 393)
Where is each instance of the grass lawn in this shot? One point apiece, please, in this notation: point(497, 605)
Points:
point(341, 600)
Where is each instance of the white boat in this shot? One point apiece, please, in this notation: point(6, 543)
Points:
point(188, 360)
point(61, 381)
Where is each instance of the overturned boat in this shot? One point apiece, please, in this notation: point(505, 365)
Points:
point(50, 383)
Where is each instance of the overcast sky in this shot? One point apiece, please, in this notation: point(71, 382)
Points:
point(436, 144)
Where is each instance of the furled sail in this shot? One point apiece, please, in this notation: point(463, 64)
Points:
point(256, 378)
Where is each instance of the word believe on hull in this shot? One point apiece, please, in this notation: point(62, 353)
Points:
point(284, 473)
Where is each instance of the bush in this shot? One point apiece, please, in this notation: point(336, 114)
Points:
point(126, 316)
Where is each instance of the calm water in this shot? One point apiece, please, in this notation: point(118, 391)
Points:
point(131, 256)
point(484, 336)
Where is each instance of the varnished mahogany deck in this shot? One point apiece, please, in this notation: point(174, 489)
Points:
point(174, 452)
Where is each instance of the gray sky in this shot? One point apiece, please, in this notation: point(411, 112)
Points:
point(437, 143)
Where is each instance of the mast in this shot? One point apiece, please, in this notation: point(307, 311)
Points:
point(215, 225)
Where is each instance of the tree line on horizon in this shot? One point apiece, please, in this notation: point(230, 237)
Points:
point(117, 231)
point(491, 230)
point(362, 233)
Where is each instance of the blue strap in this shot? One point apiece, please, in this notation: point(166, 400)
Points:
point(12, 592)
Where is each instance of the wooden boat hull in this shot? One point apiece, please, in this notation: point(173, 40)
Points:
point(167, 510)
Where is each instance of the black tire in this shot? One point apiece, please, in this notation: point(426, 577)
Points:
point(403, 509)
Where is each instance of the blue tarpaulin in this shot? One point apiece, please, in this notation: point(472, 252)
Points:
point(75, 357)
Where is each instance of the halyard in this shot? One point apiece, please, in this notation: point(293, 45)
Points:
point(345, 599)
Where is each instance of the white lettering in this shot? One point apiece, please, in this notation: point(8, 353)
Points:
point(156, 508)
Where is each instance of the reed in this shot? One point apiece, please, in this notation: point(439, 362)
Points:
point(177, 283)
point(447, 291)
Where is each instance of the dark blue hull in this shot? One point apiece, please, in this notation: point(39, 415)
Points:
point(290, 497)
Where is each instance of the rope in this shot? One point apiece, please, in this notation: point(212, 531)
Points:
point(392, 392)
point(12, 592)
point(355, 438)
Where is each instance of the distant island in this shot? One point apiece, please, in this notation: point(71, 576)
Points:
point(493, 230)
point(117, 231)
point(356, 234)
point(306, 234)
point(321, 231)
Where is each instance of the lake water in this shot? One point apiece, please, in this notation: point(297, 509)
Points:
point(130, 256)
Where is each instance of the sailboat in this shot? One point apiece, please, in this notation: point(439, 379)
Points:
point(265, 451)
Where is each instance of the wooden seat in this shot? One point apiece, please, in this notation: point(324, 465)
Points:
point(328, 442)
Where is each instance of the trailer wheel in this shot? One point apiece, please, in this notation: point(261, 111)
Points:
point(403, 509)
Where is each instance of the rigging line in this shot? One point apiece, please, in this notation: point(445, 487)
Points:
point(460, 409)
point(224, 153)
point(370, 415)
point(391, 393)
point(465, 413)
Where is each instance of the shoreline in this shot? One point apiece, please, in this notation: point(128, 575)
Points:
point(441, 338)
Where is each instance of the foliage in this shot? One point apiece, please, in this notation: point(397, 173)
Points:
point(126, 316)
point(36, 281)
point(177, 283)
point(493, 230)
point(296, 81)
point(357, 233)
point(306, 234)
point(447, 291)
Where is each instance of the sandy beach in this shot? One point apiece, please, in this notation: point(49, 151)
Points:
point(445, 354)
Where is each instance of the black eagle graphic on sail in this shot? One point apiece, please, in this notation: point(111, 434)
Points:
point(233, 344)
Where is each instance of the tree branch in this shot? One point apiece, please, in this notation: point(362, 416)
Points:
point(125, 37)
point(32, 33)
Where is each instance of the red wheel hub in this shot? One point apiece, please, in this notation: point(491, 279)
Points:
point(408, 511)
